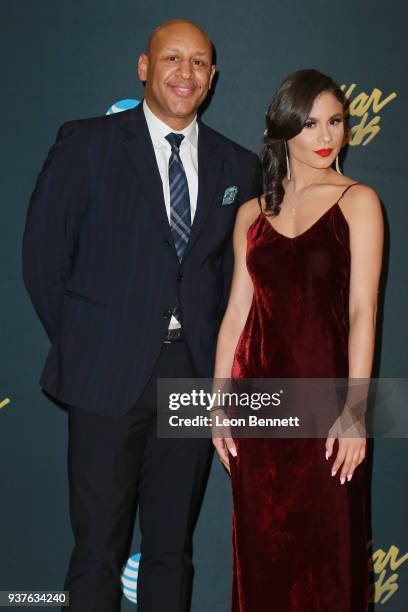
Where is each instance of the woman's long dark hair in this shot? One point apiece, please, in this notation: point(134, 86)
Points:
point(285, 118)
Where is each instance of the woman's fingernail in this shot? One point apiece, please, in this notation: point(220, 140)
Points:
point(327, 455)
point(233, 452)
point(333, 473)
point(349, 477)
point(342, 480)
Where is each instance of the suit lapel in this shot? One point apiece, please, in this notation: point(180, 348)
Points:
point(140, 152)
point(210, 164)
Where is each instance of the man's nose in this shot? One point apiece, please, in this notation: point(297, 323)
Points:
point(186, 69)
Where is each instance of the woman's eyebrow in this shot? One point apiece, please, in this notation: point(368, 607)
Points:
point(332, 117)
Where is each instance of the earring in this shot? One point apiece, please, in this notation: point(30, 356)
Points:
point(287, 162)
point(338, 165)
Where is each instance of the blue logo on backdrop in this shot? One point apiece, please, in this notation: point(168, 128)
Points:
point(122, 105)
point(129, 577)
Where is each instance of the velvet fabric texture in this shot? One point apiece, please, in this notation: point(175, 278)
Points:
point(299, 536)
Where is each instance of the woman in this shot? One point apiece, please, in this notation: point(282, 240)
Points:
point(303, 304)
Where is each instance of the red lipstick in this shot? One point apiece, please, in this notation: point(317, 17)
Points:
point(324, 152)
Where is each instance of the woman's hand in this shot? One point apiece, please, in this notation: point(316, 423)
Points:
point(222, 440)
point(351, 451)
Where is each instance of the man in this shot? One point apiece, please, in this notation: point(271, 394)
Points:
point(127, 259)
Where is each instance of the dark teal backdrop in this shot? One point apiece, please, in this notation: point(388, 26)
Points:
point(75, 58)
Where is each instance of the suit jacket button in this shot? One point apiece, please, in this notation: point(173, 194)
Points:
point(180, 277)
point(167, 314)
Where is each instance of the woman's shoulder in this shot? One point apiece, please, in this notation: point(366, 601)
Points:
point(248, 212)
point(356, 189)
point(358, 200)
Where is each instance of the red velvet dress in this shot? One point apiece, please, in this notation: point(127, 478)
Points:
point(299, 536)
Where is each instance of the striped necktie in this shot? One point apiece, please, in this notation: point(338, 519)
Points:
point(180, 213)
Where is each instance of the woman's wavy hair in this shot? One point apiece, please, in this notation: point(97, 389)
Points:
point(285, 118)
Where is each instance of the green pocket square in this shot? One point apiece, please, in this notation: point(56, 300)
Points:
point(229, 195)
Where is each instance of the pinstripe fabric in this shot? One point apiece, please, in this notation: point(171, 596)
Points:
point(180, 214)
point(100, 264)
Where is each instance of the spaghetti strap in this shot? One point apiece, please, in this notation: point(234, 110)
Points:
point(346, 189)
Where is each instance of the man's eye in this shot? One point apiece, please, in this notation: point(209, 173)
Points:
point(198, 62)
point(172, 58)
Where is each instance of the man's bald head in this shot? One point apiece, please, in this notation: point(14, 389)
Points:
point(177, 70)
point(176, 25)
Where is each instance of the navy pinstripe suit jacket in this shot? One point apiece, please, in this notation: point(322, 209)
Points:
point(100, 264)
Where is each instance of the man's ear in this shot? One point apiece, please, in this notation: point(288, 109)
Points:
point(142, 67)
point(213, 70)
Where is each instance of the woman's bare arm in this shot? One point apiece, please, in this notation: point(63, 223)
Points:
point(240, 298)
point(239, 304)
point(362, 210)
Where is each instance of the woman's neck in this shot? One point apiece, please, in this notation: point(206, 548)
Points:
point(303, 176)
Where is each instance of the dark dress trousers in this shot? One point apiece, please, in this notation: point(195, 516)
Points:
point(100, 265)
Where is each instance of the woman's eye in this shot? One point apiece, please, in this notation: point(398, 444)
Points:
point(336, 121)
point(309, 124)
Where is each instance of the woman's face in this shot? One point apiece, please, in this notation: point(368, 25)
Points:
point(321, 139)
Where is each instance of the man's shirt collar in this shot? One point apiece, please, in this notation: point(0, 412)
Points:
point(159, 130)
